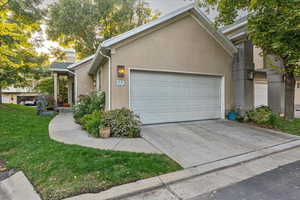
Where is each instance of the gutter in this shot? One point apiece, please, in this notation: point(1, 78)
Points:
point(235, 27)
point(109, 77)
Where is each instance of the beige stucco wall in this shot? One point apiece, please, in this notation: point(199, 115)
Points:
point(85, 83)
point(181, 46)
point(297, 95)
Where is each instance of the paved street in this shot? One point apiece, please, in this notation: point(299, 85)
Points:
point(279, 184)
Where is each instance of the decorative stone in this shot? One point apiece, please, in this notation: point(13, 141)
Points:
point(41, 104)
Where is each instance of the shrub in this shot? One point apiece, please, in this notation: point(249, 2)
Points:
point(91, 122)
point(89, 104)
point(263, 116)
point(123, 123)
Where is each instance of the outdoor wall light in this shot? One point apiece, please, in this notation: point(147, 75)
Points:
point(121, 71)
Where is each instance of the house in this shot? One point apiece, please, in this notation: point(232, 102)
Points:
point(268, 81)
point(14, 95)
point(178, 67)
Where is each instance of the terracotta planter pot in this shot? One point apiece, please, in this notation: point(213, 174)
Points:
point(104, 132)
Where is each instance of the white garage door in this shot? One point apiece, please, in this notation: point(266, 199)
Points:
point(160, 97)
point(261, 94)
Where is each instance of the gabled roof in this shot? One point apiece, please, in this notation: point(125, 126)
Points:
point(59, 66)
point(204, 21)
point(74, 65)
point(200, 15)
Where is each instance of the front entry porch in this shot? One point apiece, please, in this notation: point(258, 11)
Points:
point(64, 84)
point(64, 89)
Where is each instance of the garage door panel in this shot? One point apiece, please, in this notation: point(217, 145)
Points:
point(261, 94)
point(169, 97)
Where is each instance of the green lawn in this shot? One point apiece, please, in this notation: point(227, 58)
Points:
point(58, 170)
point(292, 127)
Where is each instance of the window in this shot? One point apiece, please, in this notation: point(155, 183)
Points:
point(298, 85)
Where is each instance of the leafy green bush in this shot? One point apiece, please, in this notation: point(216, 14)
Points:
point(89, 104)
point(263, 116)
point(123, 123)
point(91, 122)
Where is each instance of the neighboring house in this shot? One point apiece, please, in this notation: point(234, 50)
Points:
point(268, 81)
point(175, 68)
point(12, 95)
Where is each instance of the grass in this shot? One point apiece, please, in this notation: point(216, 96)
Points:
point(291, 127)
point(58, 170)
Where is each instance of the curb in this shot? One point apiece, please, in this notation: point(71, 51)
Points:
point(146, 185)
point(17, 187)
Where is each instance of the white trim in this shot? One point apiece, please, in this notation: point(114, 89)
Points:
point(118, 38)
point(223, 94)
point(129, 88)
point(238, 35)
point(58, 70)
point(223, 98)
point(235, 27)
point(174, 71)
point(81, 62)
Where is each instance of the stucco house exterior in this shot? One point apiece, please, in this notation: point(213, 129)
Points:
point(178, 67)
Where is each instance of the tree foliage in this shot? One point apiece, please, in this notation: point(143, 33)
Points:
point(274, 26)
point(18, 20)
point(83, 24)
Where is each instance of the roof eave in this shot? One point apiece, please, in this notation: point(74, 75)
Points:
point(140, 29)
point(218, 35)
point(98, 59)
point(72, 66)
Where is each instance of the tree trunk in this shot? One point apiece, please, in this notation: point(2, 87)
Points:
point(289, 101)
point(0, 94)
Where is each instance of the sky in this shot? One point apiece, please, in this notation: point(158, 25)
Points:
point(164, 6)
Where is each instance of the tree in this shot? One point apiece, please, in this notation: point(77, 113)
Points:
point(18, 20)
point(83, 24)
point(274, 26)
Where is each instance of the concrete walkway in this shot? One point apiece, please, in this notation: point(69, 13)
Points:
point(17, 187)
point(63, 129)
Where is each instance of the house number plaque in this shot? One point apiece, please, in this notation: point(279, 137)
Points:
point(120, 82)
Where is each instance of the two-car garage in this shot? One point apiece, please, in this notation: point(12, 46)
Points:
point(159, 97)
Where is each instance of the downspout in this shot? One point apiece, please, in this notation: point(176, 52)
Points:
point(109, 78)
point(75, 85)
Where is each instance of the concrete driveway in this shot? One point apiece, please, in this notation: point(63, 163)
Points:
point(197, 143)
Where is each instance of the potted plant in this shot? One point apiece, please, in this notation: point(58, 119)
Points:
point(104, 132)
